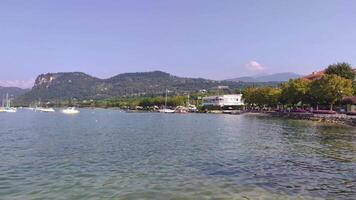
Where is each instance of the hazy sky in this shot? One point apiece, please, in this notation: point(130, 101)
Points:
point(214, 39)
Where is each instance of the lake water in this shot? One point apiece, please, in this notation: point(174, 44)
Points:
point(108, 154)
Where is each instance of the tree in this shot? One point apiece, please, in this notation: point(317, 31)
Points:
point(329, 89)
point(261, 96)
point(176, 101)
point(272, 96)
point(249, 95)
point(343, 70)
point(295, 91)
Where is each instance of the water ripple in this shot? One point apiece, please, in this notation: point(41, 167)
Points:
point(113, 155)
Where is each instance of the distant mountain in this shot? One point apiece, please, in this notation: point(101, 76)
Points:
point(278, 77)
point(244, 79)
point(12, 91)
point(63, 86)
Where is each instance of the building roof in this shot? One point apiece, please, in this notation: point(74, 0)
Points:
point(316, 75)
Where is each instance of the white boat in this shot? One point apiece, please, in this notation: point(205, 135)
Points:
point(46, 109)
point(70, 110)
point(165, 110)
point(10, 110)
point(8, 107)
point(38, 108)
point(181, 109)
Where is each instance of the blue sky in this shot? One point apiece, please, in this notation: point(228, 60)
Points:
point(213, 39)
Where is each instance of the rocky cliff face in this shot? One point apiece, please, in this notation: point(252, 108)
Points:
point(44, 80)
point(52, 79)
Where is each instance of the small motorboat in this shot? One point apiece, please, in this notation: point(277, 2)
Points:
point(46, 110)
point(70, 110)
point(10, 110)
point(165, 110)
point(181, 109)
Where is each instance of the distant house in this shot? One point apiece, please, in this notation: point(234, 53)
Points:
point(229, 100)
point(316, 75)
point(350, 103)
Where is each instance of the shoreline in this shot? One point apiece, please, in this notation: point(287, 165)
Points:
point(340, 119)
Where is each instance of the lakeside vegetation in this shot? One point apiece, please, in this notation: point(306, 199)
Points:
point(328, 90)
point(337, 82)
point(133, 102)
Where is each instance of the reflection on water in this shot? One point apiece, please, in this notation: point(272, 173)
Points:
point(113, 155)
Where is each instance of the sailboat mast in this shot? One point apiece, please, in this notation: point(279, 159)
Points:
point(188, 100)
point(165, 102)
point(3, 101)
point(7, 100)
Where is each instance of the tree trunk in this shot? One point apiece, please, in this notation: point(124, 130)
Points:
point(317, 107)
point(331, 107)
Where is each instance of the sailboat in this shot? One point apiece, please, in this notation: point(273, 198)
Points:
point(44, 109)
point(32, 106)
point(2, 108)
point(39, 108)
point(8, 107)
point(165, 109)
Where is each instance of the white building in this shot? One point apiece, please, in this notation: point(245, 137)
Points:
point(223, 100)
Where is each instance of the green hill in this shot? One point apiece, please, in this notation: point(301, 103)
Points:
point(12, 91)
point(62, 86)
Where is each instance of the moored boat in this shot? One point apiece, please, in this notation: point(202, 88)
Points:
point(10, 110)
point(181, 109)
point(166, 110)
point(46, 109)
point(8, 107)
point(70, 110)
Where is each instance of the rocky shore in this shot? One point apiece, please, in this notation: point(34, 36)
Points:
point(328, 118)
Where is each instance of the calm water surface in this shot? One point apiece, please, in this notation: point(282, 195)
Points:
point(107, 154)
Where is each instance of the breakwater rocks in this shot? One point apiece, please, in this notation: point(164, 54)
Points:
point(328, 118)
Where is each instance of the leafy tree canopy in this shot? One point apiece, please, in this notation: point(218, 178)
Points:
point(261, 96)
point(294, 91)
point(343, 70)
point(330, 88)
